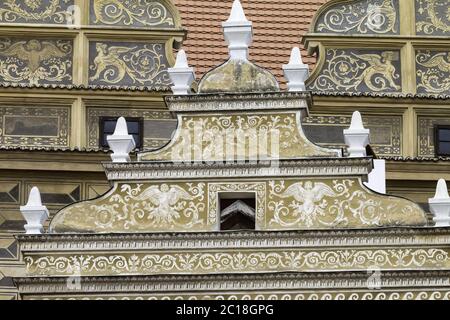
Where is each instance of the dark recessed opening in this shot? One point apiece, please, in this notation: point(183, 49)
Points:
point(442, 141)
point(108, 126)
point(237, 210)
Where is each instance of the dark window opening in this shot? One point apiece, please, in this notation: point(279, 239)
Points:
point(442, 141)
point(108, 125)
point(237, 210)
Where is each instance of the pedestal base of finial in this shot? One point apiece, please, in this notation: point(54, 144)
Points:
point(441, 222)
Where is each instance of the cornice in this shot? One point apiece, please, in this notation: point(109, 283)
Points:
point(199, 170)
point(240, 102)
point(219, 283)
point(244, 239)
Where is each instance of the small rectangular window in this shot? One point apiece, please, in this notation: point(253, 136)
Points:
point(108, 125)
point(442, 141)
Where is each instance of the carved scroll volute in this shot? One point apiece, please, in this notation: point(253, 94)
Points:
point(157, 14)
point(358, 17)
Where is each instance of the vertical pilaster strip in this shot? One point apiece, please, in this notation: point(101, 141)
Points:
point(78, 127)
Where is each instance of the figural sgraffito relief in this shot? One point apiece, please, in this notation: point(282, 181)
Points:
point(128, 64)
point(335, 203)
point(138, 207)
point(35, 62)
point(432, 17)
point(280, 204)
point(359, 71)
point(363, 17)
point(433, 71)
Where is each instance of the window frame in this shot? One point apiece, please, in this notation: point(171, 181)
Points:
point(102, 121)
point(437, 128)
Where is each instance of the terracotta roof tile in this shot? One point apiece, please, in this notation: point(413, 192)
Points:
point(278, 26)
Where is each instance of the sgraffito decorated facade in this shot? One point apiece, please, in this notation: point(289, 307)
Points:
point(154, 226)
point(318, 231)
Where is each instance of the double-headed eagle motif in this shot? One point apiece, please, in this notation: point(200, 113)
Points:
point(164, 198)
point(309, 195)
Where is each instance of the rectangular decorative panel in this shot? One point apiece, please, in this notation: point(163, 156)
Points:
point(35, 126)
point(36, 61)
point(136, 13)
point(433, 71)
point(141, 64)
point(355, 70)
point(385, 132)
point(36, 11)
point(426, 134)
point(432, 17)
point(158, 124)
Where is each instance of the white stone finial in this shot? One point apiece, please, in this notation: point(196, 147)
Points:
point(34, 213)
point(357, 137)
point(237, 13)
point(181, 75)
point(121, 143)
point(238, 32)
point(296, 72)
point(440, 205)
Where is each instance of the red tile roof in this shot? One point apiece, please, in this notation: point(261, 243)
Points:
point(278, 25)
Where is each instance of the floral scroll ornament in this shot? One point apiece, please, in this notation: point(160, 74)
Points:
point(143, 65)
point(351, 71)
point(53, 11)
point(363, 17)
point(35, 61)
point(433, 71)
point(132, 12)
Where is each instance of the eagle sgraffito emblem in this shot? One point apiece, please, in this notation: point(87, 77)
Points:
point(35, 62)
point(337, 203)
point(138, 208)
point(309, 200)
point(129, 65)
point(433, 71)
point(357, 71)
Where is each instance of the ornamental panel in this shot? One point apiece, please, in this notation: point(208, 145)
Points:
point(354, 70)
point(334, 203)
point(36, 61)
point(34, 126)
point(432, 17)
point(158, 124)
point(235, 261)
point(279, 295)
point(425, 129)
point(297, 204)
point(360, 17)
point(385, 132)
point(36, 11)
point(128, 64)
point(132, 13)
point(433, 71)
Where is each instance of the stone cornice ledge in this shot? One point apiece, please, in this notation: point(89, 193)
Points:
point(259, 282)
point(239, 102)
point(325, 167)
point(242, 239)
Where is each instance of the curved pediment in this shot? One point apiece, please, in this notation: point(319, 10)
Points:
point(358, 17)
